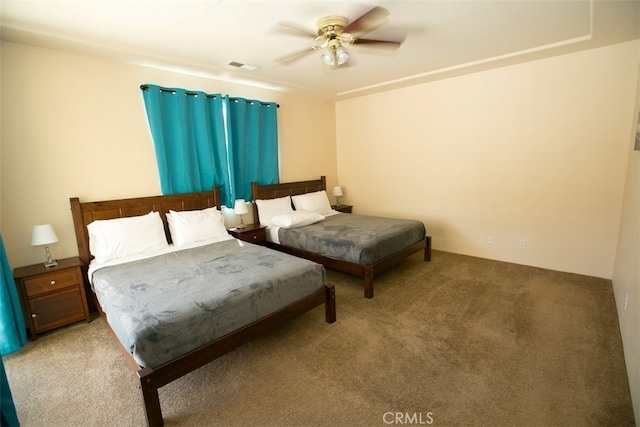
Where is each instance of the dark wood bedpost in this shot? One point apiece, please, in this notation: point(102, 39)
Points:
point(81, 232)
point(368, 283)
point(254, 191)
point(150, 396)
point(330, 304)
point(216, 196)
point(427, 249)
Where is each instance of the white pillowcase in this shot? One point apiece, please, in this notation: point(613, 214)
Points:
point(296, 219)
point(268, 208)
point(195, 226)
point(116, 238)
point(315, 202)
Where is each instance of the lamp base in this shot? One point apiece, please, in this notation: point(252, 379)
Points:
point(241, 223)
point(51, 263)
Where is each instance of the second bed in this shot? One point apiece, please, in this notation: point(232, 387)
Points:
point(355, 244)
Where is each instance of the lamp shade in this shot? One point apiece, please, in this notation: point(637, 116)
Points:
point(43, 235)
point(240, 207)
point(337, 191)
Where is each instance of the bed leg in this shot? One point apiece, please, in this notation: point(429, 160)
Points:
point(427, 249)
point(150, 396)
point(330, 304)
point(368, 285)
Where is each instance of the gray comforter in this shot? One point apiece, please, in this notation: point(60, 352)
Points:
point(165, 306)
point(360, 239)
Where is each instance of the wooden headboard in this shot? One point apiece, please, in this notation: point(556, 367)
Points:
point(273, 191)
point(86, 212)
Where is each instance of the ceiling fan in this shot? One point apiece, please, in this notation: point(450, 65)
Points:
point(336, 32)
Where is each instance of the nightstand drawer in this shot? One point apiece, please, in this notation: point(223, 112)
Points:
point(51, 282)
point(252, 233)
point(256, 236)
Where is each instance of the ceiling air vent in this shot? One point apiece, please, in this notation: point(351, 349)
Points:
point(241, 65)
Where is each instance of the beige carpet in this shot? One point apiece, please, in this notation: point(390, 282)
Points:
point(457, 341)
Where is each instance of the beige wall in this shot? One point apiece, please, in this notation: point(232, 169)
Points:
point(626, 274)
point(74, 125)
point(536, 151)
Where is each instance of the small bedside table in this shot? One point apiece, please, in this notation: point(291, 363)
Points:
point(52, 297)
point(342, 208)
point(252, 233)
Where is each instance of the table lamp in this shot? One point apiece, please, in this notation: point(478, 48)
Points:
point(240, 208)
point(44, 235)
point(337, 192)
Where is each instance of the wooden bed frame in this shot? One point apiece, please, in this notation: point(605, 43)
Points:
point(368, 272)
point(151, 379)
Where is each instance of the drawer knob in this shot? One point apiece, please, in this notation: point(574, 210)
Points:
point(255, 237)
point(34, 315)
point(53, 282)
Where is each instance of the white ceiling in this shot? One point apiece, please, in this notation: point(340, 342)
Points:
point(441, 38)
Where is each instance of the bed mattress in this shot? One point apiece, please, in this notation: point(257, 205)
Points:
point(359, 239)
point(167, 305)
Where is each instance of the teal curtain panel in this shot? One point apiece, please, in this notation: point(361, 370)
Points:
point(202, 140)
point(253, 144)
point(8, 415)
point(189, 137)
point(13, 333)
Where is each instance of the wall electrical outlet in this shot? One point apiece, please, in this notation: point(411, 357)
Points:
point(490, 239)
point(522, 244)
point(626, 297)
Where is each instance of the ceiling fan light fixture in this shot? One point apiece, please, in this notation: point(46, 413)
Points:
point(328, 56)
point(335, 32)
point(342, 56)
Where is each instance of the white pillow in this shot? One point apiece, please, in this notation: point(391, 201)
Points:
point(195, 226)
point(269, 208)
point(116, 238)
point(296, 219)
point(315, 202)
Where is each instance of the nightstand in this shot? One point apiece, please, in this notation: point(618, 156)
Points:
point(342, 208)
point(52, 297)
point(252, 233)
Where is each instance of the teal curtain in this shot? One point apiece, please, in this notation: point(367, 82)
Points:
point(13, 334)
point(8, 415)
point(189, 138)
point(253, 143)
point(203, 140)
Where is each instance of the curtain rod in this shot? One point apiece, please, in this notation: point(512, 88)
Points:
point(145, 87)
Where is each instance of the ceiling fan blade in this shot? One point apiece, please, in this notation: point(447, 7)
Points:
point(368, 22)
point(387, 44)
point(292, 57)
point(293, 29)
